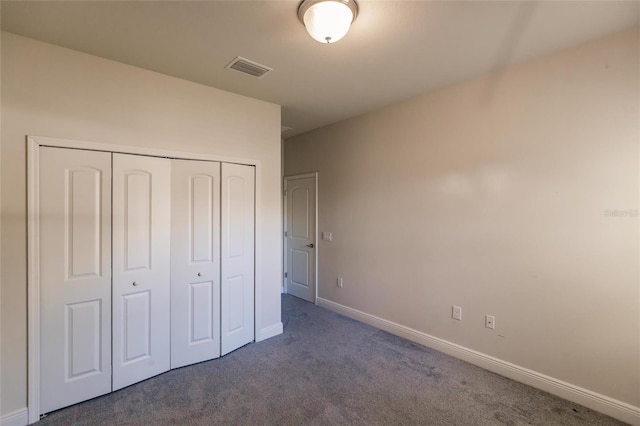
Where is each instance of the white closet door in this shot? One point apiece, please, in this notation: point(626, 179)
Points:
point(141, 268)
point(238, 215)
point(195, 262)
point(75, 270)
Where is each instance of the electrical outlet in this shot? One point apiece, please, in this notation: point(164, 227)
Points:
point(339, 282)
point(490, 321)
point(456, 312)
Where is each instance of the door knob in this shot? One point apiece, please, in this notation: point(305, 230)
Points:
point(310, 245)
point(135, 283)
point(199, 274)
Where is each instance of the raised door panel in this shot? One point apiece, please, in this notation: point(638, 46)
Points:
point(234, 298)
point(299, 267)
point(195, 262)
point(300, 199)
point(136, 326)
point(237, 234)
point(141, 268)
point(301, 228)
point(137, 220)
point(202, 314)
point(83, 334)
point(75, 270)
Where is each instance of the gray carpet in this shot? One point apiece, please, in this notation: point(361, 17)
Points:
point(328, 369)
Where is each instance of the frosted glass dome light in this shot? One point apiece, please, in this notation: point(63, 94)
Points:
point(327, 21)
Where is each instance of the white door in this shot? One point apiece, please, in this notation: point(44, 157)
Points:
point(75, 271)
point(237, 232)
point(195, 261)
point(300, 228)
point(141, 268)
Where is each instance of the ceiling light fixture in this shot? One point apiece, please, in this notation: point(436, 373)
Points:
point(327, 21)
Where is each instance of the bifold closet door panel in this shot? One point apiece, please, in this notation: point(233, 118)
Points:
point(195, 261)
point(141, 268)
point(75, 276)
point(237, 246)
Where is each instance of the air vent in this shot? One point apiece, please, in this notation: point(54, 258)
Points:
point(248, 67)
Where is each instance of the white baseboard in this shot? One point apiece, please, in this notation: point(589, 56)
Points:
point(604, 404)
point(16, 418)
point(268, 332)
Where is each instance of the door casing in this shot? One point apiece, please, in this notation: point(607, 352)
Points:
point(33, 241)
point(285, 260)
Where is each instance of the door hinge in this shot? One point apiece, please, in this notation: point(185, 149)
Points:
point(286, 234)
point(286, 274)
point(285, 192)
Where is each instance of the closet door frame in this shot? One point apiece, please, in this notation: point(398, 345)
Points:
point(33, 240)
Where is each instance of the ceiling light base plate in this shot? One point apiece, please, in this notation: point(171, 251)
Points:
point(306, 5)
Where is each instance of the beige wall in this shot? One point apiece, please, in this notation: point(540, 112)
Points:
point(491, 194)
point(55, 92)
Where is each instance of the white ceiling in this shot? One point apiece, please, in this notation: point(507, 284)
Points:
point(394, 51)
